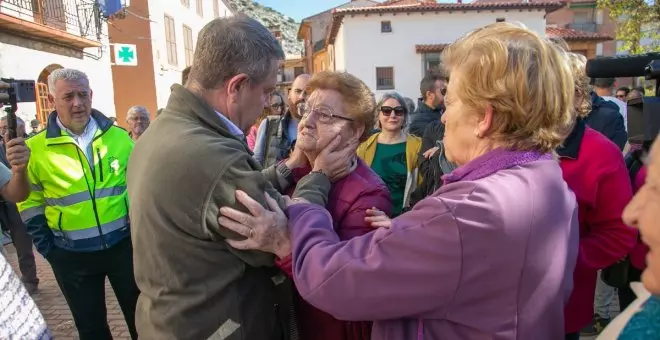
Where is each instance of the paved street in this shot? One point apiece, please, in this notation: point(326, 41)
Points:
point(57, 314)
point(54, 307)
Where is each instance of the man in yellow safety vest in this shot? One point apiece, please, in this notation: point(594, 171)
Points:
point(77, 210)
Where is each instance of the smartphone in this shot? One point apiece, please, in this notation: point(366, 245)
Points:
point(11, 125)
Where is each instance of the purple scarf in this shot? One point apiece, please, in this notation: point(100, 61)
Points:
point(492, 162)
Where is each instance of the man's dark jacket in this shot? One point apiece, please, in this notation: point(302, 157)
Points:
point(606, 118)
point(423, 116)
point(193, 284)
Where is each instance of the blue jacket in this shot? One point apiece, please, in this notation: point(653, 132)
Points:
point(606, 118)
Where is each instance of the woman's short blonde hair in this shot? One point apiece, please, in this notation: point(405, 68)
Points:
point(578, 65)
point(525, 78)
point(359, 101)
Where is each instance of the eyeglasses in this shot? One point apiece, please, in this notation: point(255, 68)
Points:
point(621, 96)
point(276, 106)
point(387, 110)
point(325, 115)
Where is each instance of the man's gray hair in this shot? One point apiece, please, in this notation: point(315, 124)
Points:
point(66, 74)
point(227, 47)
point(137, 111)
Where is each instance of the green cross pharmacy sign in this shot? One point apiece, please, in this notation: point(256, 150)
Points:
point(125, 55)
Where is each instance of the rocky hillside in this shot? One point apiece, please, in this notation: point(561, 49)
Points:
point(270, 17)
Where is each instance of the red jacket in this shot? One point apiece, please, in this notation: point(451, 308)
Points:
point(638, 254)
point(594, 168)
point(347, 203)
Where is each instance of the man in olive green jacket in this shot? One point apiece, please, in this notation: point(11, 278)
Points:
point(188, 164)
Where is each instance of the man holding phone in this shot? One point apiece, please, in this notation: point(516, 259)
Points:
point(14, 184)
point(9, 215)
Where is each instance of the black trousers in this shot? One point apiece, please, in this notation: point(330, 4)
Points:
point(573, 336)
point(81, 277)
point(626, 295)
point(11, 219)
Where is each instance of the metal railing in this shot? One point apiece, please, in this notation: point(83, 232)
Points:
point(584, 26)
point(65, 15)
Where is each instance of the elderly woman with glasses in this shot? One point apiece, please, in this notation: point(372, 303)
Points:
point(392, 152)
point(339, 105)
point(138, 120)
point(490, 255)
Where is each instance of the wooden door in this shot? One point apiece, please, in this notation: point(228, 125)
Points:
point(44, 108)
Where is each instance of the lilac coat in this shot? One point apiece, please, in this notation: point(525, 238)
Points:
point(490, 255)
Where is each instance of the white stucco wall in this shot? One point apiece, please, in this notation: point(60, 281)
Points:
point(360, 46)
point(340, 51)
point(24, 63)
point(165, 73)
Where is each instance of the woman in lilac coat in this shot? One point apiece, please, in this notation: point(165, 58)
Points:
point(489, 255)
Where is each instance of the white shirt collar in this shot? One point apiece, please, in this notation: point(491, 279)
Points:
point(89, 128)
point(233, 129)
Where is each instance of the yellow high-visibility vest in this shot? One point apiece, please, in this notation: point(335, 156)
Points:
point(84, 202)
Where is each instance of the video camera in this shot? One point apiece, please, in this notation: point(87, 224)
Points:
point(13, 92)
point(643, 113)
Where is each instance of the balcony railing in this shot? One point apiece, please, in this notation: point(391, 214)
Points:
point(77, 17)
point(584, 26)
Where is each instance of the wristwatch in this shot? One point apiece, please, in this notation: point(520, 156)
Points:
point(285, 172)
point(319, 172)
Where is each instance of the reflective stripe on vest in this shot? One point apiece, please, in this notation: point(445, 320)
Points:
point(82, 234)
point(84, 196)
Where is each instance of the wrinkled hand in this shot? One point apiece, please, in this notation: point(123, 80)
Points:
point(264, 229)
point(377, 218)
point(18, 154)
point(430, 152)
point(297, 158)
point(334, 160)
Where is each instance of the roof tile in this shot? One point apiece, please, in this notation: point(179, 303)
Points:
point(424, 6)
point(430, 48)
point(570, 34)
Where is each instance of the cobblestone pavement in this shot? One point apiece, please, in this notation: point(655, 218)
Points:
point(57, 314)
point(53, 306)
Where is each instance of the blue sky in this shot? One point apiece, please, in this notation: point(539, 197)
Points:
point(300, 9)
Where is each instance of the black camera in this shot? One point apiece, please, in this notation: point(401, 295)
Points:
point(13, 92)
point(643, 113)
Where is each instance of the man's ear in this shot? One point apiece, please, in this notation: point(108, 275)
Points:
point(235, 83)
point(91, 93)
point(51, 99)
